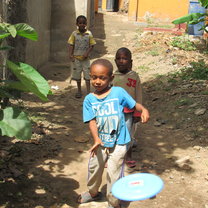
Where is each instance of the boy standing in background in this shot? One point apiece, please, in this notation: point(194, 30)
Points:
point(81, 43)
point(129, 80)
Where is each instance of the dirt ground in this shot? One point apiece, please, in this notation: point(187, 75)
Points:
point(50, 170)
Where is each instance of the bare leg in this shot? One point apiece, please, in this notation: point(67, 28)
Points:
point(79, 89)
point(87, 86)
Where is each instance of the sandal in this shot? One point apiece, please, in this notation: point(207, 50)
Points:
point(86, 197)
point(131, 163)
point(78, 95)
point(110, 206)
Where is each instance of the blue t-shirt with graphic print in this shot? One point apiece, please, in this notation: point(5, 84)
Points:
point(109, 115)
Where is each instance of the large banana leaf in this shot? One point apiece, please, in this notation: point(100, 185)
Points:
point(31, 79)
point(4, 35)
point(26, 31)
point(204, 3)
point(192, 18)
point(5, 94)
point(12, 30)
point(3, 30)
point(17, 85)
point(6, 48)
point(21, 29)
point(15, 123)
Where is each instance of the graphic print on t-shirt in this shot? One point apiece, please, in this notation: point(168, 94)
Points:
point(107, 118)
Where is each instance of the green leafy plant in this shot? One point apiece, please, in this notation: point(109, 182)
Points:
point(183, 101)
point(144, 68)
point(174, 60)
point(204, 92)
point(13, 121)
point(154, 52)
point(195, 18)
point(196, 71)
point(183, 43)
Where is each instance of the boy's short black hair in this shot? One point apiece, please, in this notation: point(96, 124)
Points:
point(81, 17)
point(105, 63)
point(125, 50)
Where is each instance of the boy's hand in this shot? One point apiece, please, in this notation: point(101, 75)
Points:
point(136, 116)
point(145, 115)
point(71, 58)
point(136, 119)
point(93, 149)
point(85, 55)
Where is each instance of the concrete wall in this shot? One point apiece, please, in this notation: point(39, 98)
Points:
point(63, 22)
point(54, 21)
point(37, 14)
point(39, 17)
point(163, 10)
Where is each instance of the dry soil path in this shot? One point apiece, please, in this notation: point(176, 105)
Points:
point(157, 150)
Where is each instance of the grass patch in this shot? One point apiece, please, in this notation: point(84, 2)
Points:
point(204, 92)
point(174, 60)
point(183, 101)
point(144, 68)
point(183, 43)
point(153, 52)
point(196, 71)
point(161, 26)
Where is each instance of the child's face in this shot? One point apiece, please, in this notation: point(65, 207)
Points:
point(123, 62)
point(81, 24)
point(100, 78)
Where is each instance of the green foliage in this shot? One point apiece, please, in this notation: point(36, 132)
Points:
point(183, 43)
point(195, 18)
point(204, 3)
point(196, 71)
point(13, 121)
point(183, 101)
point(154, 52)
point(174, 60)
point(192, 18)
point(21, 29)
point(204, 92)
point(144, 68)
point(30, 80)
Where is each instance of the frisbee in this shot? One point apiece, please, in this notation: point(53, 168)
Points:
point(137, 187)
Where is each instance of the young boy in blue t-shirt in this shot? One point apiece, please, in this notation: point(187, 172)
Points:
point(103, 110)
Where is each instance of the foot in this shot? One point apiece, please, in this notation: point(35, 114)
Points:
point(131, 163)
point(110, 206)
point(87, 197)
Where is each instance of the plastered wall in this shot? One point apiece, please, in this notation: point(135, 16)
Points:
point(39, 17)
point(162, 10)
point(63, 22)
point(54, 20)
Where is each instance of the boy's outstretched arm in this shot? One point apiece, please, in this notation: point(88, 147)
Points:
point(94, 133)
point(144, 112)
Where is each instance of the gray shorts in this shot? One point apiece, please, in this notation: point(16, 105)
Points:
point(79, 67)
